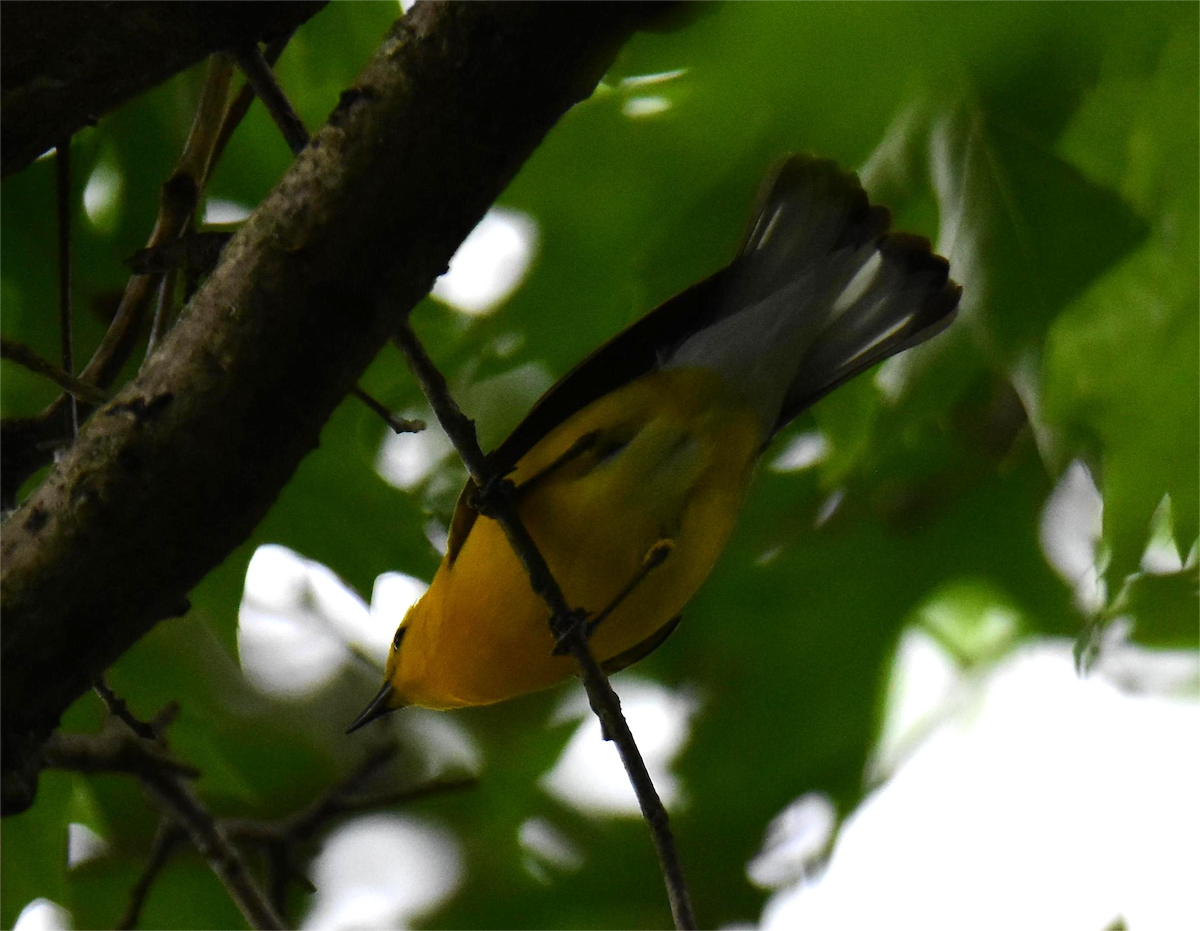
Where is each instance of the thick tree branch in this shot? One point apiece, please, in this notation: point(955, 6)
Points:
point(180, 466)
point(64, 65)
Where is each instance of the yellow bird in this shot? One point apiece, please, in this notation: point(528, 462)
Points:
point(630, 472)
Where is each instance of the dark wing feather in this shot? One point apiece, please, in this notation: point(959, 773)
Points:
point(809, 212)
point(630, 354)
point(640, 651)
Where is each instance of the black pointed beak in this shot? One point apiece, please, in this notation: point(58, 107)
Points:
point(377, 709)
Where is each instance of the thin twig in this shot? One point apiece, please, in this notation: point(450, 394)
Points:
point(398, 424)
point(174, 796)
point(240, 105)
point(180, 194)
point(260, 77)
point(120, 710)
point(113, 750)
point(127, 744)
point(137, 747)
point(195, 253)
point(168, 837)
point(117, 749)
point(564, 624)
point(280, 839)
point(62, 172)
point(182, 191)
point(302, 824)
point(26, 357)
point(162, 305)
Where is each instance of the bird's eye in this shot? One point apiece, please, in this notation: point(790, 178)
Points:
point(399, 636)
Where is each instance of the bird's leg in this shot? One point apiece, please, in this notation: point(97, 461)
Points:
point(655, 557)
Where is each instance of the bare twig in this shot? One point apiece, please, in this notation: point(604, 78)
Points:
point(118, 749)
point(177, 205)
point(26, 357)
point(193, 253)
point(129, 745)
point(564, 622)
point(119, 709)
point(280, 839)
point(114, 750)
point(240, 105)
point(162, 309)
point(181, 193)
point(62, 173)
point(166, 840)
point(175, 798)
point(398, 424)
point(260, 77)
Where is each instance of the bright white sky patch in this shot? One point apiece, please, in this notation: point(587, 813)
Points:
point(490, 264)
point(394, 593)
point(382, 871)
point(443, 742)
point(84, 845)
point(406, 459)
point(1070, 532)
point(299, 623)
point(804, 451)
point(589, 776)
point(829, 507)
point(1162, 552)
point(659, 77)
point(1051, 802)
point(546, 847)
point(219, 211)
point(795, 838)
point(642, 102)
point(641, 107)
point(923, 681)
point(43, 915)
point(102, 196)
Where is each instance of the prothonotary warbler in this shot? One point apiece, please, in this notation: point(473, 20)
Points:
point(629, 473)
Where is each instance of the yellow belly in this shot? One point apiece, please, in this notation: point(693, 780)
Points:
point(480, 635)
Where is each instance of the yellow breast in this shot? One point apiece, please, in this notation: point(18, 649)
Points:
point(669, 458)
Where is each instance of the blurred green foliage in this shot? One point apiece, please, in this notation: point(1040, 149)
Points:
point(1051, 153)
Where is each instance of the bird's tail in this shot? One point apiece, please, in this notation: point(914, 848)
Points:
point(819, 292)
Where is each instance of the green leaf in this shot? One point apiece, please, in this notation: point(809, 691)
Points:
point(34, 864)
point(1120, 365)
point(1165, 608)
